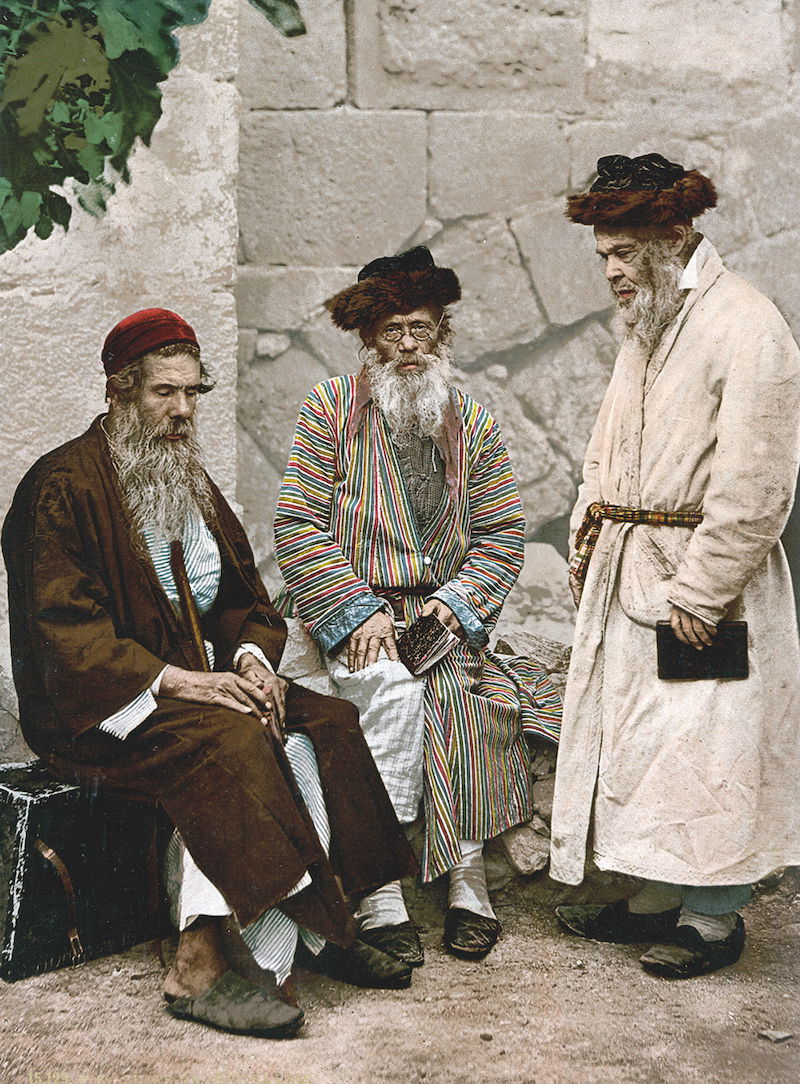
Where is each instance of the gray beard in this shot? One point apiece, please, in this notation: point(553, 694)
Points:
point(163, 482)
point(657, 301)
point(414, 402)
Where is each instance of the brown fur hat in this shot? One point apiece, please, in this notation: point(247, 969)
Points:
point(394, 284)
point(643, 191)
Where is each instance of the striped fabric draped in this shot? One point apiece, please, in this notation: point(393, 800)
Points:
point(344, 525)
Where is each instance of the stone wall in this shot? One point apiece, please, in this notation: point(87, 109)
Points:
point(168, 239)
point(463, 126)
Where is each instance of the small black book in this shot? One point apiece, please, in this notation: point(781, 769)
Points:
point(726, 658)
point(424, 643)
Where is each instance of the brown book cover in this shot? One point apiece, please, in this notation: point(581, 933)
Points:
point(424, 643)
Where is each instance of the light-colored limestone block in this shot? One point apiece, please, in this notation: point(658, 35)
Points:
point(773, 266)
point(494, 161)
point(497, 308)
point(271, 344)
point(283, 298)
point(563, 383)
point(540, 599)
point(326, 189)
point(477, 54)
point(337, 350)
point(561, 261)
point(688, 55)
point(270, 394)
point(293, 73)
point(765, 158)
point(257, 495)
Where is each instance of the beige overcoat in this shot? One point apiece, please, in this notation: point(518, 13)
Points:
point(690, 782)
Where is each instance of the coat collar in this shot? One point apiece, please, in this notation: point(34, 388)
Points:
point(448, 441)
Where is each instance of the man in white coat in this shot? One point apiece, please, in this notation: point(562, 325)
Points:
point(691, 785)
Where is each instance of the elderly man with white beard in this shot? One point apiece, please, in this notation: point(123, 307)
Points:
point(399, 501)
point(145, 651)
point(680, 744)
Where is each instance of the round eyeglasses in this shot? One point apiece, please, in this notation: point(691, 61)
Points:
point(420, 332)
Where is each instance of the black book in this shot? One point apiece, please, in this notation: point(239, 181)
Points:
point(726, 658)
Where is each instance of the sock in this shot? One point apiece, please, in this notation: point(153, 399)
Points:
point(468, 880)
point(656, 896)
point(383, 907)
point(710, 927)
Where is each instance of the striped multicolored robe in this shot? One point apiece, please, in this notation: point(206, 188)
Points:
point(344, 526)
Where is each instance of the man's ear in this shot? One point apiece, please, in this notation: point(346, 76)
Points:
point(679, 238)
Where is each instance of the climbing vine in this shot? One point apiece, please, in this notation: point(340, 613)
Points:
point(79, 83)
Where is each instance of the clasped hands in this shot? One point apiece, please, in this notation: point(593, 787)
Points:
point(251, 690)
point(378, 631)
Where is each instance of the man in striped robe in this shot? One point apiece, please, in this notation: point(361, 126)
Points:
point(145, 650)
point(399, 501)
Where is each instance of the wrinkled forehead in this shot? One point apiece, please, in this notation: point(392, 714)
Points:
point(425, 314)
point(609, 242)
point(179, 370)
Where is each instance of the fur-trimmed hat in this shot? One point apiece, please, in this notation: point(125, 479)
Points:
point(643, 191)
point(394, 285)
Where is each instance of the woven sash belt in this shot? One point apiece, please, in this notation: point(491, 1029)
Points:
point(589, 531)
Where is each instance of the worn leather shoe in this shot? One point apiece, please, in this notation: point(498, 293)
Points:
point(614, 922)
point(232, 1003)
point(469, 936)
point(690, 955)
point(360, 965)
point(400, 941)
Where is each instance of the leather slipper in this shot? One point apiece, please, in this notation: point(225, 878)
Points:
point(614, 922)
point(469, 936)
point(359, 965)
point(400, 941)
point(233, 1004)
point(690, 954)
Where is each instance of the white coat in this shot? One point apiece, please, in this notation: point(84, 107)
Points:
point(689, 782)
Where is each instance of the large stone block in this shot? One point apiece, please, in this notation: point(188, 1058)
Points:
point(270, 394)
point(478, 54)
point(540, 599)
point(325, 189)
point(335, 349)
point(673, 52)
point(212, 46)
point(257, 495)
point(284, 298)
point(773, 265)
point(293, 73)
point(543, 476)
point(494, 161)
point(562, 263)
point(563, 384)
point(764, 169)
point(498, 308)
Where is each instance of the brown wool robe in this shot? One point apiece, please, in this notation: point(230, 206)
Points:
point(91, 628)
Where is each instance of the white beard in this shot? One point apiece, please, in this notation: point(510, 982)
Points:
point(163, 482)
point(411, 402)
point(657, 300)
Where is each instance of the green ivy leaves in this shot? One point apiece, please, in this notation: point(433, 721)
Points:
point(79, 84)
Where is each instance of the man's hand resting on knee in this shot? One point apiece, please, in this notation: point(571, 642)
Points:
point(366, 641)
point(253, 691)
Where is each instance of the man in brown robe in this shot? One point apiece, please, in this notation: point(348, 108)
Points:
point(144, 651)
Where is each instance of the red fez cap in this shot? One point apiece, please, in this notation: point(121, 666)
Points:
point(142, 332)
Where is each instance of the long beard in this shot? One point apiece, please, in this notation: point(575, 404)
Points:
point(657, 301)
point(411, 402)
point(163, 482)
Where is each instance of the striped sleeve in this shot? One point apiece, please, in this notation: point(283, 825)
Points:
point(497, 529)
point(331, 599)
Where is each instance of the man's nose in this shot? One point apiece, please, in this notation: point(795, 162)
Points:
point(613, 269)
point(182, 406)
point(408, 342)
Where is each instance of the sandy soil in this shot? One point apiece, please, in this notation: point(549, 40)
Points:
point(543, 1007)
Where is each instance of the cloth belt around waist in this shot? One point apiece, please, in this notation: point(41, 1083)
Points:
point(395, 595)
point(596, 514)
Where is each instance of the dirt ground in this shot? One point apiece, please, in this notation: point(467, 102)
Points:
point(543, 1008)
